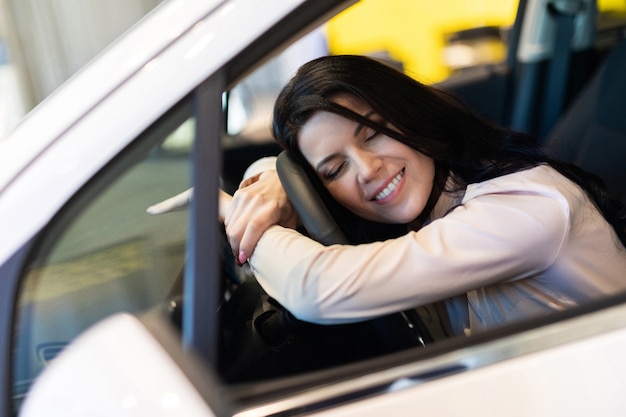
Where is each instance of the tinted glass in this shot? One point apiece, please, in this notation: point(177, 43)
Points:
point(104, 253)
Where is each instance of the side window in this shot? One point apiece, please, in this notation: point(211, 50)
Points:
point(104, 253)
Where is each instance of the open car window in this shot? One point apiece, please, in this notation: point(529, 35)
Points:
point(247, 139)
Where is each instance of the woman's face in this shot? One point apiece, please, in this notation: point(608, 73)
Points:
point(373, 175)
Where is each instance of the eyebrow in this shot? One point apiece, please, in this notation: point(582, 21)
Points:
point(334, 155)
point(327, 159)
point(360, 125)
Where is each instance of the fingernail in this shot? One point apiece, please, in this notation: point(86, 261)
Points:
point(243, 257)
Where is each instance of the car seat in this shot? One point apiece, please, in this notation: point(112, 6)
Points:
point(592, 132)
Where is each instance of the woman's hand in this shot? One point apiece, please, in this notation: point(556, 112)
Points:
point(260, 202)
point(224, 202)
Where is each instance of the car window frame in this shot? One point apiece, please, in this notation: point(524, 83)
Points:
point(202, 294)
point(11, 270)
point(40, 244)
point(254, 396)
point(377, 376)
point(197, 335)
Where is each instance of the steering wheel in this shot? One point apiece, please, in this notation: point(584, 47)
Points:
point(311, 209)
point(268, 341)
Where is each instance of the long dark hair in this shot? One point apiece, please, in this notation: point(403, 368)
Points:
point(436, 123)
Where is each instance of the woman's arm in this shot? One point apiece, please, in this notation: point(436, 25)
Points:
point(259, 203)
point(490, 239)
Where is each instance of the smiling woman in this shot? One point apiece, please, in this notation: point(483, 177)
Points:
point(372, 175)
point(505, 234)
point(492, 226)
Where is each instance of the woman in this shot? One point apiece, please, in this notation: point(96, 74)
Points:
point(491, 224)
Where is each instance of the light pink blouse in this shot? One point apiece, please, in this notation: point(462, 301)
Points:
point(517, 246)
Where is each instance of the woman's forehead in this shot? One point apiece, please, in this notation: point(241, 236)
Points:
point(323, 134)
point(327, 133)
point(323, 124)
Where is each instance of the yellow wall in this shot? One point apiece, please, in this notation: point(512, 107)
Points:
point(606, 5)
point(413, 31)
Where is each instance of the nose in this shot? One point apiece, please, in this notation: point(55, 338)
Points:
point(368, 165)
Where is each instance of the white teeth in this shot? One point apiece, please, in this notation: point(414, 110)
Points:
point(390, 187)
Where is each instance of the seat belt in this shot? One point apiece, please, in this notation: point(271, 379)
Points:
point(563, 13)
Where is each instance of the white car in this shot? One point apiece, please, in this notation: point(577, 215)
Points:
point(108, 310)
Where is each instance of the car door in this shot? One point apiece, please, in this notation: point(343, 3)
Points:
point(74, 195)
point(159, 261)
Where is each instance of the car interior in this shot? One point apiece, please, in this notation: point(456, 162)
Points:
point(592, 100)
point(592, 133)
point(259, 340)
point(263, 340)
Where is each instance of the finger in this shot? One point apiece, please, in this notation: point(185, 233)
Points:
point(249, 240)
point(249, 181)
point(234, 226)
point(238, 214)
point(248, 215)
point(225, 200)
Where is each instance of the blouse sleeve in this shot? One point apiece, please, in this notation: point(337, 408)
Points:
point(491, 238)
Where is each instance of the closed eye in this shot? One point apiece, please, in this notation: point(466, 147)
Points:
point(371, 136)
point(334, 172)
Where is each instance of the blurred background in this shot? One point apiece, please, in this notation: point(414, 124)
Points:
point(44, 42)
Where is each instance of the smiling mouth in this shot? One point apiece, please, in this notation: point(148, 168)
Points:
point(390, 187)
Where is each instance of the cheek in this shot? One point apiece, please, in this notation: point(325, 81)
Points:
point(425, 169)
point(345, 194)
point(337, 190)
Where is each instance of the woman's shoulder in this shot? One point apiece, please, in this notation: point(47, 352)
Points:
point(542, 180)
